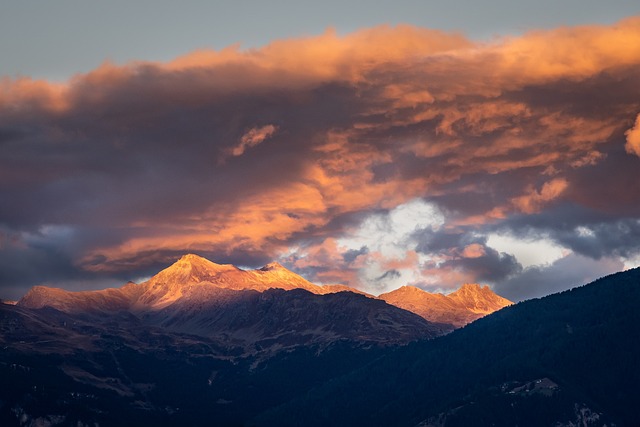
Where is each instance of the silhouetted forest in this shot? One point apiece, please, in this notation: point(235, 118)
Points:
point(587, 340)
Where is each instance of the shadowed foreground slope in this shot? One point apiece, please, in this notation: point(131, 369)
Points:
point(566, 358)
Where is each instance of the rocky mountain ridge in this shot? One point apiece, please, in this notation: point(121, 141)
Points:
point(458, 308)
point(194, 281)
point(262, 310)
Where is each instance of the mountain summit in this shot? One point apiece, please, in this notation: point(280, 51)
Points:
point(192, 269)
point(463, 306)
point(479, 299)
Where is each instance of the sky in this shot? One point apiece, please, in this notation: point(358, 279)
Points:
point(409, 143)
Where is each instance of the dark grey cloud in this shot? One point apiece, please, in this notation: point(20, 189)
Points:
point(139, 155)
point(565, 273)
point(584, 231)
point(350, 255)
point(388, 275)
point(482, 263)
point(47, 257)
point(492, 266)
point(444, 240)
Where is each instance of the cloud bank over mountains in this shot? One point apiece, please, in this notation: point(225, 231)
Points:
point(389, 156)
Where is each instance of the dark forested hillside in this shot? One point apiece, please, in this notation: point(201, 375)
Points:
point(566, 358)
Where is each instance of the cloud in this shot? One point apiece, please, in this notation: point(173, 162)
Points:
point(450, 258)
point(633, 138)
point(474, 250)
point(565, 273)
point(574, 228)
point(479, 265)
point(533, 200)
point(375, 255)
point(529, 252)
point(252, 138)
point(389, 149)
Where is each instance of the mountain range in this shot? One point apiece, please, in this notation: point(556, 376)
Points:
point(201, 343)
point(195, 295)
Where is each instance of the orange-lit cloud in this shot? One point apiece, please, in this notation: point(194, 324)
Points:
point(534, 200)
point(633, 138)
point(252, 138)
point(473, 250)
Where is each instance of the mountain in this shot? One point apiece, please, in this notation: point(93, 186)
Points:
point(187, 275)
point(564, 360)
point(270, 307)
point(195, 280)
point(191, 272)
point(194, 345)
point(459, 308)
point(106, 300)
point(280, 319)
